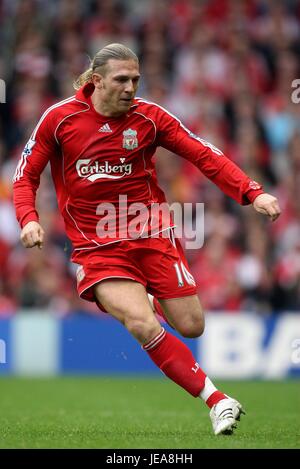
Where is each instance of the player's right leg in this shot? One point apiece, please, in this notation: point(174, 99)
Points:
point(169, 278)
point(103, 275)
point(128, 302)
point(225, 411)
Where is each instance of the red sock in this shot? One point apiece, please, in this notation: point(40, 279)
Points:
point(215, 398)
point(176, 361)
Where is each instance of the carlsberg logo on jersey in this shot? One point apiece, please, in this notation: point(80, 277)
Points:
point(95, 170)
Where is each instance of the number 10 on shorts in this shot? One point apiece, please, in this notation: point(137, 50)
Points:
point(183, 274)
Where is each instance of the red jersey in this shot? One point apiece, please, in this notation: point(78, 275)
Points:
point(94, 159)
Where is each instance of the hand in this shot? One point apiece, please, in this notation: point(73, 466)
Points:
point(268, 205)
point(32, 235)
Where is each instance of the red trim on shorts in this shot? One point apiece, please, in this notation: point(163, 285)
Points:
point(171, 297)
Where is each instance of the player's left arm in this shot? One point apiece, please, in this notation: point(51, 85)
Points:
point(268, 205)
point(211, 161)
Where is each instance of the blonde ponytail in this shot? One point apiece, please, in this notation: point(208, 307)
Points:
point(84, 78)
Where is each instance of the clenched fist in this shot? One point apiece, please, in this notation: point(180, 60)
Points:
point(32, 235)
point(268, 205)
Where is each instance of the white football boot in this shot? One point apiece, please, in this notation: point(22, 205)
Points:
point(224, 416)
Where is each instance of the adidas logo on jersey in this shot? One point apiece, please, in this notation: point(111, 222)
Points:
point(105, 128)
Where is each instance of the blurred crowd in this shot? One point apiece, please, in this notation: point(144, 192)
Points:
point(226, 68)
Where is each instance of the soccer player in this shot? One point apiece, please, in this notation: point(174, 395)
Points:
point(100, 144)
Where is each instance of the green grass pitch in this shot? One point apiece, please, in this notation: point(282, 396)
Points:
point(110, 412)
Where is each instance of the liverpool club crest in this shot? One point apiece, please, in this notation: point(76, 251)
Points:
point(130, 141)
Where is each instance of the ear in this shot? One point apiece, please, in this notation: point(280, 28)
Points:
point(97, 80)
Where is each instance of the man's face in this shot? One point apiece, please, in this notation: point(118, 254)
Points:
point(118, 86)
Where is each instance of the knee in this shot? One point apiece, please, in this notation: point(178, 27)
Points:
point(192, 329)
point(143, 329)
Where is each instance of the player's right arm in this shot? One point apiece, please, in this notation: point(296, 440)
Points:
point(33, 160)
point(32, 235)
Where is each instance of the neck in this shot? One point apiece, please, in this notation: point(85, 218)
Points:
point(102, 107)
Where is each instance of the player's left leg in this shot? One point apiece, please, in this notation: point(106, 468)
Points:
point(190, 323)
point(185, 314)
point(158, 310)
